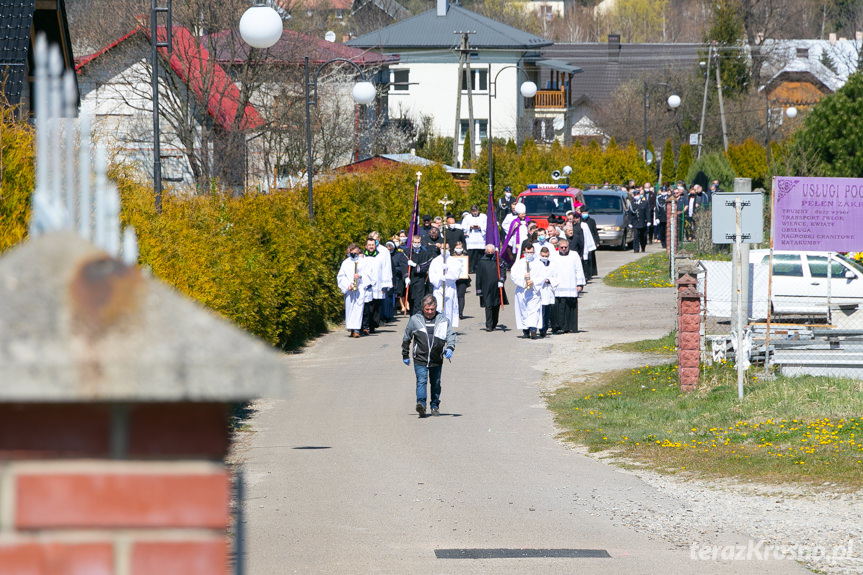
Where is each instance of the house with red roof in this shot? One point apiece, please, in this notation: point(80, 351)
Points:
point(202, 110)
point(228, 111)
point(342, 132)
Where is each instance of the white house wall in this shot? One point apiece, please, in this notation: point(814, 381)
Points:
point(432, 91)
point(116, 94)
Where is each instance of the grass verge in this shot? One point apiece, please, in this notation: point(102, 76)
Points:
point(649, 271)
point(786, 430)
point(665, 345)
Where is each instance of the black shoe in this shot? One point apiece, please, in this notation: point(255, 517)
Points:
point(435, 412)
point(533, 335)
point(421, 409)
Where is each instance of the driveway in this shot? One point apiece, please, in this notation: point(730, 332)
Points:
point(343, 477)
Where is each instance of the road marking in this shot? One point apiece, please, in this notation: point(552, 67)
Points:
point(519, 553)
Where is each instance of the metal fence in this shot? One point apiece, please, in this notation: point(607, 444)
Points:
point(804, 314)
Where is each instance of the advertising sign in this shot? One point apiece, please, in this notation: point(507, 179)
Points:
point(818, 214)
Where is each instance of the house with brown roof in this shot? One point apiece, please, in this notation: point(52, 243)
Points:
point(802, 72)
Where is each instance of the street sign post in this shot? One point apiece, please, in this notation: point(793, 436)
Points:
point(724, 217)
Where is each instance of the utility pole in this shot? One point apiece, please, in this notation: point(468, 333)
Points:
point(464, 57)
point(721, 106)
point(472, 124)
point(704, 101)
point(458, 107)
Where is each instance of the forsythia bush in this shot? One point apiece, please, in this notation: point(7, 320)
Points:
point(749, 160)
point(590, 165)
point(16, 177)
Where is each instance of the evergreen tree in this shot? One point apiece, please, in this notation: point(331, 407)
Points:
point(668, 164)
point(834, 130)
point(683, 162)
point(727, 31)
point(465, 150)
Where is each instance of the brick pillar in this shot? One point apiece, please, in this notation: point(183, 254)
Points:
point(688, 327)
point(115, 403)
point(70, 503)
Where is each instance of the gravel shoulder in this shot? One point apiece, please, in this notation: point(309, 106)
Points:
point(821, 527)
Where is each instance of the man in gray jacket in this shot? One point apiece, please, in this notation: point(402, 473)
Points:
point(431, 335)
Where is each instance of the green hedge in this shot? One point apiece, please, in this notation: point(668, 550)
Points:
point(258, 261)
point(590, 165)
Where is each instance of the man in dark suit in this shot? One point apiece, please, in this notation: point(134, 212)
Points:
point(591, 224)
point(454, 233)
point(638, 209)
point(489, 286)
point(417, 260)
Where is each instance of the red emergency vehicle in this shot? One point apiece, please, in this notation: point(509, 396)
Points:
point(544, 200)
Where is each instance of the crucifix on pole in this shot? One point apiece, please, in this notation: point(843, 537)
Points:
point(445, 202)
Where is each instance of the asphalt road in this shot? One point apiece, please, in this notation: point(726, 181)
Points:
point(343, 477)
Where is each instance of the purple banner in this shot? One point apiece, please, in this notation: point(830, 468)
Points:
point(818, 214)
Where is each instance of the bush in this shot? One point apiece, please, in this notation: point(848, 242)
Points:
point(684, 162)
point(749, 160)
point(711, 167)
point(590, 165)
point(258, 261)
point(16, 177)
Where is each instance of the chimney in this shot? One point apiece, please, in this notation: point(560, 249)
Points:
point(442, 7)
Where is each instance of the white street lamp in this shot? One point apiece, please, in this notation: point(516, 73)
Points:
point(261, 27)
point(673, 102)
point(363, 93)
point(527, 90)
point(791, 112)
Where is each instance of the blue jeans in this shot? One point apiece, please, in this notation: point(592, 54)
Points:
point(423, 374)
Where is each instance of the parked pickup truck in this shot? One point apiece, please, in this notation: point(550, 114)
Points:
point(544, 200)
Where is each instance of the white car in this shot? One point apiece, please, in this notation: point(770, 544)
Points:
point(800, 281)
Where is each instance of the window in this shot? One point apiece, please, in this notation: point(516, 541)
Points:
point(478, 80)
point(545, 205)
point(818, 267)
point(400, 80)
point(480, 130)
point(543, 129)
point(787, 265)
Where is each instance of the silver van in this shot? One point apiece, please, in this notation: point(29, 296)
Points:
point(609, 207)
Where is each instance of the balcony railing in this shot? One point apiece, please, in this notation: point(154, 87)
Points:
point(550, 99)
